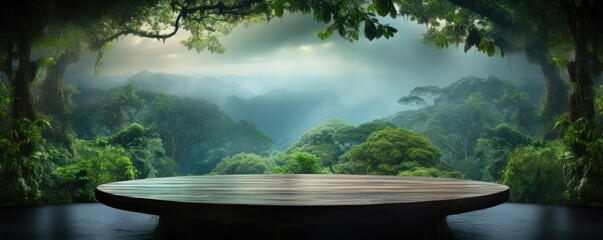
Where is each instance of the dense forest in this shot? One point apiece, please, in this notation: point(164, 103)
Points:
point(59, 140)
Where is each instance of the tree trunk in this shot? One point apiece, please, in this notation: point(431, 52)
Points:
point(22, 107)
point(555, 100)
point(54, 101)
point(582, 72)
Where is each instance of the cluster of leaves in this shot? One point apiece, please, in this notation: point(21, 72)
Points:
point(243, 163)
point(534, 174)
point(146, 152)
point(330, 141)
point(492, 152)
point(298, 163)
point(584, 165)
point(414, 169)
point(133, 153)
point(448, 24)
point(376, 147)
point(384, 152)
point(20, 174)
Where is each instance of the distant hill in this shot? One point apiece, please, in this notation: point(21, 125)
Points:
point(283, 114)
point(211, 89)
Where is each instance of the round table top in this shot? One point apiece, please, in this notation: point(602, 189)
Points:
point(299, 197)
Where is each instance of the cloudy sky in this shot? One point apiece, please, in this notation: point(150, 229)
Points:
point(286, 53)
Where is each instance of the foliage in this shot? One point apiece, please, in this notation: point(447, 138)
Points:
point(414, 169)
point(104, 163)
point(194, 131)
point(463, 111)
point(191, 133)
point(386, 150)
point(122, 107)
point(146, 151)
point(431, 173)
point(583, 167)
point(299, 163)
point(64, 185)
point(534, 174)
point(319, 141)
point(421, 96)
point(495, 147)
point(330, 141)
point(74, 179)
point(243, 163)
point(448, 24)
point(20, 174)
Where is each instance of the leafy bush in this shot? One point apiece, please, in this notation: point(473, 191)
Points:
point(385, 151)
point(414, 169)
point(20, 163)
point(93, 163)
point(534, 174)
point(300, 163)
point(243, 163)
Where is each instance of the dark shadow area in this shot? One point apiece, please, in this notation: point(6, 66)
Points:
point(74, 221)
point(529, 221)
point(97, 221)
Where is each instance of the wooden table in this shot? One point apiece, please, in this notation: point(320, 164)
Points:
point(301, 199)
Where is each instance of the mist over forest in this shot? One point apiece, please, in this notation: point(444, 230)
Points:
point(287, 81)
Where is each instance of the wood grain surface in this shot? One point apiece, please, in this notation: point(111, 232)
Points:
point(277, 197)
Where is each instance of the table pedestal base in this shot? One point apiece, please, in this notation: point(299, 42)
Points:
point(170, 227)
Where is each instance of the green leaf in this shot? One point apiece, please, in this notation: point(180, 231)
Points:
point(393, 12)
point(326, 16)
point(341, 30)
point(383, 7)
point(473, 39)
point(491, 50)
point(278, 10)
point(370, 30)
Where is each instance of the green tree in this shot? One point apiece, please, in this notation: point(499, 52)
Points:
point(463, 112)
point(385, 151)
point(421, 96)
point(494, 148)
point(145, 150)
point(414, 169)
point(330, 141)
point(319, 141)
point(197, 135)
point(505, 27)
point(299, 163)
point(73, 177)
point(247, 138)
point(243, 163)
point(122, 107)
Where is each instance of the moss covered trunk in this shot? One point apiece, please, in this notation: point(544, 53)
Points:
point(22, 108)
point(54, 100)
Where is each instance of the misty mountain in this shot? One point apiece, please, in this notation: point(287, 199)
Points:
point(210, 89)
point(283, 114)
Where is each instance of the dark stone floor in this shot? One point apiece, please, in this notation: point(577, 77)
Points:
point(96, 221)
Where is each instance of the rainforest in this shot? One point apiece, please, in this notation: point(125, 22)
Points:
point(508, 92)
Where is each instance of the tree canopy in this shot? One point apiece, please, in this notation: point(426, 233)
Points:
point(386, 150)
